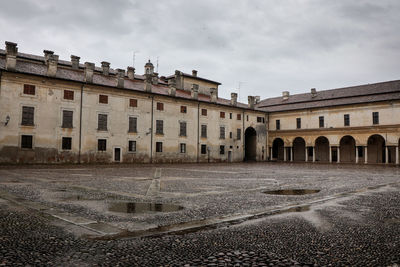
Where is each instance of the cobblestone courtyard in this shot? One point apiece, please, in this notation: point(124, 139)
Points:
point(200, 214)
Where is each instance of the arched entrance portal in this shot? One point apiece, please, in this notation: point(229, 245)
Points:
point(277, 149)
point(322, 149)
point(250, 144)
point(376, 149)
point(347, 149)
point(299, 149)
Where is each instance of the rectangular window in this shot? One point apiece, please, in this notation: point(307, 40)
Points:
point(278, 124)
point(221, 150)
point(321, 122)
point(102, 144)
point(230, 135)
point(203, 149)
point(26, 141)
point(133, 103)
point(67, 119)
point(103, 99)
point(230, 115)
point(29, 89)
point(346, 120)
point(132, 125)
point(204, 131)
point(160, 106)
point(183, 109)
point(159, 127)
point(360, 151)
point(247, 117)
point(158, 146)
point(66, 143)
point(182, 148)
point(239, 117)
point(102, 122)
point(375, 117)
point(239, 134)
point(132, 146)
point(68, 95)
point(222, 132)
point(222, 115)
point(27, 116)
point(260, 119)
point(204, 112)
point(182, 128)
point(298, 123)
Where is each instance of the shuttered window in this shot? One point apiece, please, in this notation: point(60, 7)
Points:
point(133, 103)
point(159, 127)
point(183, 109)
point(26, 141)
point(132, 125)
point(67, 119)
point(222, 115)
point(29, 89)
point(239, 117)
point(204, 112)
point(28, 114)
point(182, 128)
point(68, 94)
point(103, 99)
point(102, 122)
point(160, 106)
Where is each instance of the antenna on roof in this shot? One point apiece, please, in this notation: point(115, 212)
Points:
point(157, 64)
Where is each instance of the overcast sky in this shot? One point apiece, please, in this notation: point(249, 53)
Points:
point(266, 46)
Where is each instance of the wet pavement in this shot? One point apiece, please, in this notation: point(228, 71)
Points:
point(256, 214)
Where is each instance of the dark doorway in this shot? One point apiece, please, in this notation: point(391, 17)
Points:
point(299, 149)
point(117, 154)
point(322, 149)
point(376, 149)
point(277, 149)
point(347, 151)
point(250, 144)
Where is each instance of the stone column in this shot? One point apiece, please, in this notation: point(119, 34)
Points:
point(330, 154)
point(270, 154)
point(366, 154)
point(291, 154)
point(397, 155)
point(338, 154)
point(386, 154)
point(284, 153)
point(356, 154)
point(313, 154)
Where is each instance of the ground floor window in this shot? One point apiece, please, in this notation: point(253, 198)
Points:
point(183, 148)
point(66, 143)
point(221, 150)
point(158, 146)
point(203, 149)
point(27, 141)
point(102, 144)
point(132, 146)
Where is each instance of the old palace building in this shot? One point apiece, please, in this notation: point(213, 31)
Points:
point(64, 111)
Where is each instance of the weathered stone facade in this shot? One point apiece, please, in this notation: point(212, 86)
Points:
point(64, 111)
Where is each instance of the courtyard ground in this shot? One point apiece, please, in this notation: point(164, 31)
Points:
point(245, 214)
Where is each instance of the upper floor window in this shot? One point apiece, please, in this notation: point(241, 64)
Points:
point(28, 114)
point(346, 118)
point(102, 122)
point(159, 127)
point(230, 115)
point(29, 89)
point(222, 115)
point(160, 106)
point(321, 122)
point(239, 134)
point(183, 109)
point(132, 125)
point(375, 117)
point(204, 112)
point(68, 95)
point(182, 128)
point(239, 117)
point(222, 132)
point(133, 103)
point(298, 123)
point(278, 124)
point(204, 131)
point(260, 119)
point(67, 119)
point(103, 99)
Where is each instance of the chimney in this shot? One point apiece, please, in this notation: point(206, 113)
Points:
point(75, 62)
point(147, 83)
point(47, 54)
point(285, 95)
point(214, 95)
point(313, 92)
point(52, 63)
point(234, 99)
point(251, 100)
point(154, 78)
point(195, 91)
point(105, 66)
point(120, 78)
point(258, 99)
point(194, 73)
point(89, 69)
point(172, 87)
point(11, 55)
point(131, 73)
point(178, 79)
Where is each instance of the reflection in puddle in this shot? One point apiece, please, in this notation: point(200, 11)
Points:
point(292, 192)
point(132, 207)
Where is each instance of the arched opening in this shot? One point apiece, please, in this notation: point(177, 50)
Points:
point(277, 149)
point(299, 149)
point(250, 144)
point(376, 149)
point(322, 149)
point(347, 149)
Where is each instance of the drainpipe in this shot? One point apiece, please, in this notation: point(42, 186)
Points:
point(80, 125)
point(198, 129)
point(151, 128)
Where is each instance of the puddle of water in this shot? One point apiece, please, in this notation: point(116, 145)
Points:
point(292, 192)
point(132, 207)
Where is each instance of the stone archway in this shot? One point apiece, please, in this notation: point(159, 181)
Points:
point(322, 149)
point(376, 149)
point(277, 149)
point(250, 144)
point(299, 149)
point(347, 149)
